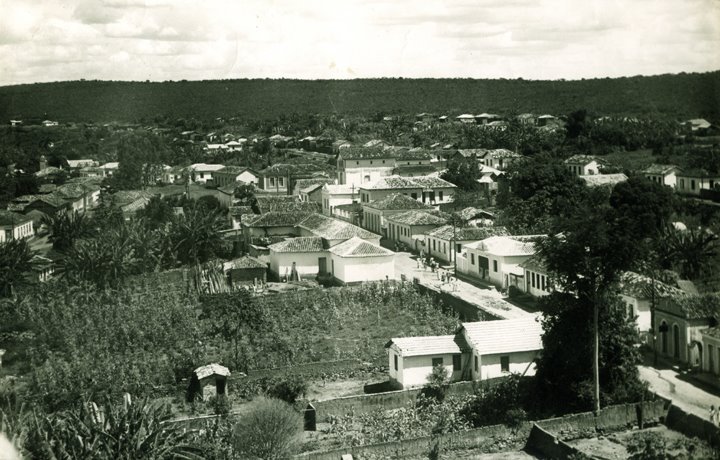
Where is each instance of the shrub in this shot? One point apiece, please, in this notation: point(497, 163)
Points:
point(289, 388)
point(270, 429)
point(501, 403)
point(435, 389)
point(220, 405)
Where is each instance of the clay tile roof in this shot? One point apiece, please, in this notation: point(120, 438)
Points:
point(583, 160)
point(362, 153)
point(640, 287)
point(432, 182)
point(243, 262)
point(701, 306)
point(416, 217)
point(600, 180)
point(299, 244)
point(357, 247)
point(391, 182)
point(429, 345)
point(275, 219)
point(333, 229)
point(504, 336)
point(659, 169)
point(10, 218)
point(397, 201)
point(467, 233)
point(507, 245)
point(211, 369)
point(535, 263)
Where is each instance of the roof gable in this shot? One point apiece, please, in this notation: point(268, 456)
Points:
point(357, 247)
point(504, 336)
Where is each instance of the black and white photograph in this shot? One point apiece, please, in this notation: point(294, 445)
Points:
point(359, 229)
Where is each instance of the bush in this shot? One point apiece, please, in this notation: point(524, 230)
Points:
point(220, 405)
point(270, 429)
point(289, 389)
point(501, 403)
point(435, 389)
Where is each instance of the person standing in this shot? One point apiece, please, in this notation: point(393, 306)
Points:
point(713, 415)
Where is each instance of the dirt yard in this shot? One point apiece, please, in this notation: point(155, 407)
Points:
point(614, 446)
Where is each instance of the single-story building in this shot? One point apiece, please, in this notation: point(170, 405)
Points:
point(245, 270)
point(14, 226)
point(678, 322)
point(208, 381)
point(477, 351)
point(711, 345)
point(662, 174)
point(299, 257)
point(439, 241)
point(357, 260)
point(410, 227)
point(496, 259)
point(584, 165)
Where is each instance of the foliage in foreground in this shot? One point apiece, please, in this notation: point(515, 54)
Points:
point(651, 445)
point(108, 432)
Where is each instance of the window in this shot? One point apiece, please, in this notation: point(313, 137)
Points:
point(532, 279)
point(383, 161)
point(472, 258)
point(437, 362)
point(370, 161)
point(457, 248)
point(414, 196)
point(444, 248)
point(477, 367)
point(544, 283)
point(692, 185)
point(495, 265)
point(440, 194)
point(396, 362)
point(457, 363)
point(366, 179)
point(281, 181)
point(505, 363)
point(357, 162)
point(434, 248)
point(630, 314)
point(272, 182)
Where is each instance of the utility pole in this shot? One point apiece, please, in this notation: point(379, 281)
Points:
point(596, 352)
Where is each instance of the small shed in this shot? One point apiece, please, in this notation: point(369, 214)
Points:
point(208, 381)
point(245, 270)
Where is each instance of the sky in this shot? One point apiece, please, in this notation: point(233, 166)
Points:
point(157, 40)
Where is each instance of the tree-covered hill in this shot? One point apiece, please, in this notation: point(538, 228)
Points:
point(681, 96)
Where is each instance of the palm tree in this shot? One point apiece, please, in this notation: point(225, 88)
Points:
point(16, 261)
point(66, 227)
point(689, 251)
point(195, 234)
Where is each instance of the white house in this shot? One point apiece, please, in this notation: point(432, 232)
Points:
point(426, 189)
point(375, 213)
point(504, 346)
point(412, 359)
point(439, 241)
point(636, 292)
point(173, 174)
point(358, 165)
point(410, 227)
point(14, 226)
point(662, 174)
point(203, 172)
point(496, 259)
point(478, 351)
point(234, 175)
point(466, 118)
point(584, 165)
point(679, 321)
point(692, 182)
point(537, 278)
point(108, 169)
point(333, 195)
point(297, 258)
point(499, 159)
point(357, 260)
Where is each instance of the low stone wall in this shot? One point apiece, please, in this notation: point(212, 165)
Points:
point(692, 426)
point(389, 399)
point(479, 438)
point(611, 418)
point(546, 445)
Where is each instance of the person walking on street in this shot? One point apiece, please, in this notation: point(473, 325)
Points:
point(713, 415)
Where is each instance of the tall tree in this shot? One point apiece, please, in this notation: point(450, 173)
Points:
point(587, 253)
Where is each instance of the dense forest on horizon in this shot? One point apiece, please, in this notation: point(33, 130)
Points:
point(677, 96)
